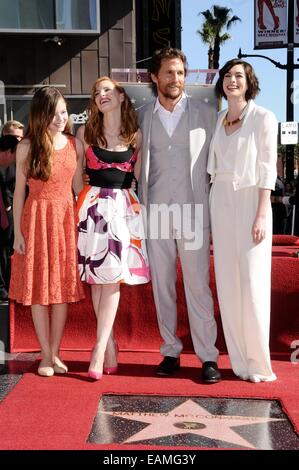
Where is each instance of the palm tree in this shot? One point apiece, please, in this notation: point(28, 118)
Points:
point(216, 19)
point(207, 37)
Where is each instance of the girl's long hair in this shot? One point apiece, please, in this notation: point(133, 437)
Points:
point(42, 111)
point(94, 128)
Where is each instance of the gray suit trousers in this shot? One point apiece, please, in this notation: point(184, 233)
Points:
point(195, 267)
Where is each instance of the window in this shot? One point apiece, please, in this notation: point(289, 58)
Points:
point(50, 15)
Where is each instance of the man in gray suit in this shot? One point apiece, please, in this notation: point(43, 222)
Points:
point(174, 188)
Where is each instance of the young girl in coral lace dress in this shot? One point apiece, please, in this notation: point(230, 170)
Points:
point(44, 269)
point(111, 236)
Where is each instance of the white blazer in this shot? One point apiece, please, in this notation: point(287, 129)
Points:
point(256, 150)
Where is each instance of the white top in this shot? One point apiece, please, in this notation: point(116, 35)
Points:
point(225, 151)
point(256, 149)
point(170, 119)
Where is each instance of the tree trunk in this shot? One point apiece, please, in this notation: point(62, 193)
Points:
point(211, 58)
point(210, 76)
point(216, 52)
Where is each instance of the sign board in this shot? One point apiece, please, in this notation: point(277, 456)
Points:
point(296, 21)
point(289, 133)
point(270, 24)
point(142, 93)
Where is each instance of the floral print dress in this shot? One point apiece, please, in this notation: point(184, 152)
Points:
point(111, 239)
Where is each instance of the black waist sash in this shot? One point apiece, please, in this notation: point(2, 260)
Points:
point(110, 178)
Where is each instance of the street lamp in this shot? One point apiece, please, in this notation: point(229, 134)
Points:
point(289, 67)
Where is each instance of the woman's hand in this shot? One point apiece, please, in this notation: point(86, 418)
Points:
point(258, 230)
point(19, 244)
point(86, 178)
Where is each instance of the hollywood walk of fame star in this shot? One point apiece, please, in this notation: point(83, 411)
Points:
point(190, 418)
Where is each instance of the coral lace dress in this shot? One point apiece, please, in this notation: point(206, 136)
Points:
point(48, 272)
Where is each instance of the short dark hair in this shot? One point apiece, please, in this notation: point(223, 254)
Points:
point(8, 142)
point(167, 53)
point(252, 80)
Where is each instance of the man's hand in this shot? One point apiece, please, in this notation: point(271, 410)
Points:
point(134, 184)
point(276, 199)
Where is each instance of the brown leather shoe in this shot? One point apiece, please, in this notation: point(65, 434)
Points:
point(168, 366)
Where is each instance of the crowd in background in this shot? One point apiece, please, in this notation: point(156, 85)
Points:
point(285, 206)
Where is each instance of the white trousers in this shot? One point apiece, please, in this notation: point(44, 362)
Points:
point(243, 278)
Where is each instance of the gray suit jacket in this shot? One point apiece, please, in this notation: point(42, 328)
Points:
point(202, 122)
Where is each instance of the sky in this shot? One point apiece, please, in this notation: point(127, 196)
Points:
point(272, 80)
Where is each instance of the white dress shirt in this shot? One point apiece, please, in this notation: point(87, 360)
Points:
point(170, 119)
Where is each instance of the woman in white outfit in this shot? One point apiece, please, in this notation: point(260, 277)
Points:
point(242, 165)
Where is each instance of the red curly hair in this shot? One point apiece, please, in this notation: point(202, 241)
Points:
point(94, 129)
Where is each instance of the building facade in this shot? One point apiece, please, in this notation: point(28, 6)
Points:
point(70, 43)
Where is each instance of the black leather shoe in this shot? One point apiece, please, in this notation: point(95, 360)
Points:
point(210, 372)
point(3, 296)
point(168, 365)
